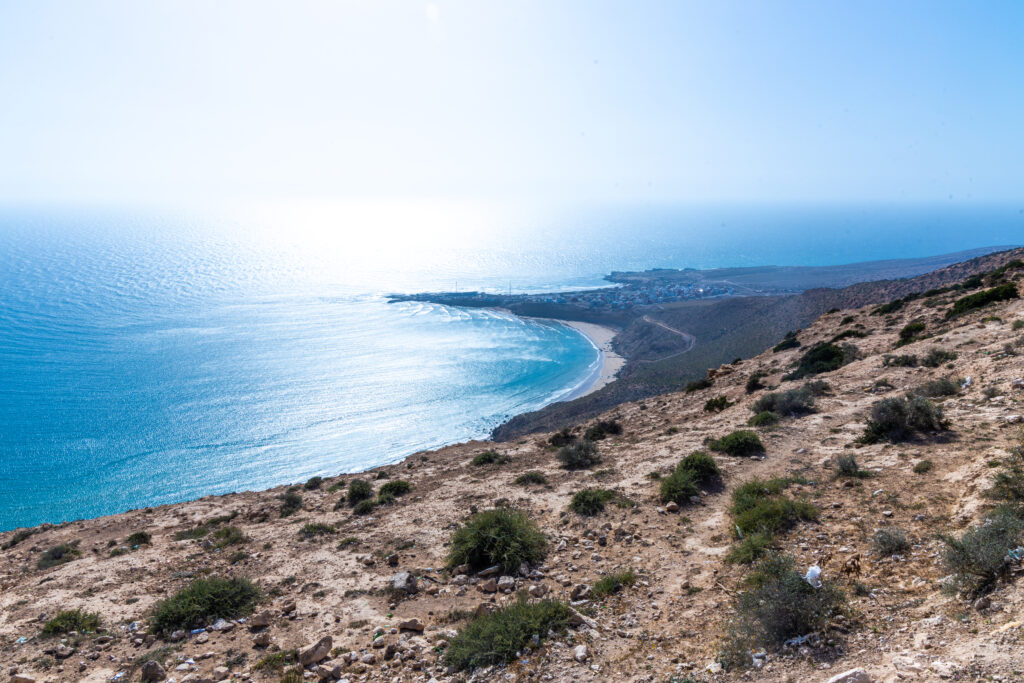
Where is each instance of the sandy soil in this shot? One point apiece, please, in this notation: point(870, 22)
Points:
point(610, 362)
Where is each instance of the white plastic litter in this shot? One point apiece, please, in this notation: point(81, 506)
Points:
point(966, 383)
point(812, 576)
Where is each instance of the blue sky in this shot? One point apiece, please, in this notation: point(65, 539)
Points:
point(192, 100)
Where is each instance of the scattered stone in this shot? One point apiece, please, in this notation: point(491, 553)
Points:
point(580, 654)
point(314, 654)
point(22, 678)
point(858, 675)
point(672, 507)
point(580, 591)
point(222, 625)
point(262, 639)
point(177, 635)
point(488, 586)
point(506, 583)
point(491, 571)
point(261, 619)
point(411, 625)
point(404, 581)
point(152, 671)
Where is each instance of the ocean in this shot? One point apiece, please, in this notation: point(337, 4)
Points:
point(151, 356)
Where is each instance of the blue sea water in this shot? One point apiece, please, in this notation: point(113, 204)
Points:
point(149, 357)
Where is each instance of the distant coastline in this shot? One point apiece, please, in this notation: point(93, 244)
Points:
point(609, 362)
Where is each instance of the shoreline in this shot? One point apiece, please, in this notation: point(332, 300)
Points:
point(609, 362)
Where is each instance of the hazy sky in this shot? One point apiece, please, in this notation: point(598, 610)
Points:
point(212, 99)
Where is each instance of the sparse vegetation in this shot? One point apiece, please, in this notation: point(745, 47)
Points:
point(899, 419)
point(936, 357)
point(765, 418)
point(777, 605)
point(602, 429)
point(495, 638)
point(613, 583)
point(358, 491)
point(791, 403)
point(72, 620)
point(923, 467)
point(739, 443)
point(500, 536)
point(562, 438)
point(291, 502)
point(788, 342)
point(578, 455)
point(364, 507)
point(488, 458)
point(716, 404)
point(981, 556)
point(229, 535)
point(938, 387)
point(313, 483)
point(754, 382)
point(61, 553)
point(590, 502)
point(846, 466)
point(818, 359)
point(697, 385)
point(972, 302)
point(760, 510)
point(138, 538)
point(910, 333)
point(848, 334)
point(531, 477)
point(18, 536)
point(316, 529)
point(395, 489)
point(203, 601)
point(890, 541)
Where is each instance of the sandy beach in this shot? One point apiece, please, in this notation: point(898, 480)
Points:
point(611, 362)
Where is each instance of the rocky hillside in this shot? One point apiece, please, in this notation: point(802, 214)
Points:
point(887, 452)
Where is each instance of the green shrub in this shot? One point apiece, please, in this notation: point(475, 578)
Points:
point(72, 620)
point(291, 502)
point(138, 538)
point(910, 333)
point(758, 506)
point(204, 601)
point(750, 548)
point(971, 302)
point(291, 677)
point(891, 307)
point(1008, 485)
point(590, 502)
point(498, 537)
point(903, 361)
point(778, 605)
point(313, 483)
point(788, 342)
point(890, 541)
point(229, 535)
point(602, 429)
point(1017, 325)
point(818, 387)
point(846, 466)
point(358, 491)
point(739, 443)
point(923, 467)
point(497, 637)
point(936, 357)
point(398, 487)
point(531, 477)
point(716, 404)
point(818, 359)
point(791, 403)
point(698, 384)
point(938, 387)
point(314, 529)
point(754, 382)
point(578, 455)
point(61, 553)
point(898, 419)
point(613, 583)
point(562, 438)
point(678, 487)
point(847, 320)
point(848, 334)
point(980, 557)
point(701, 465)
point(764, 419)
point(18, 536)
point(364, 507)
point(488, 458)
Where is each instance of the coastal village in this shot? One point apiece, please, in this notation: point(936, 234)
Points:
point(844, 508)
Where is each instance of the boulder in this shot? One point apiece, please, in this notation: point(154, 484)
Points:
point(858, 675)
point(404, 581)
point(411, 625)
point(316, 653)
point(261, 619)
point(152, 671)
point(506, 583)
point(488, 586)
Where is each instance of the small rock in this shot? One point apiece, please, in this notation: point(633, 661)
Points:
point(491, 571)
point(261, 619)
point(177, 635)
point(580, 591)
point(537, 590)
point(506, 583)
point(410, 625)
point(22, 678)
point(858, 675)
point(983, 603)
point(261, 639)
point(152, 671)
point(404, 581)
point(314, 654)
point(580, 654)
point(202, 638)
point(672, 507)
point(488, 586)
point(222, 625)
